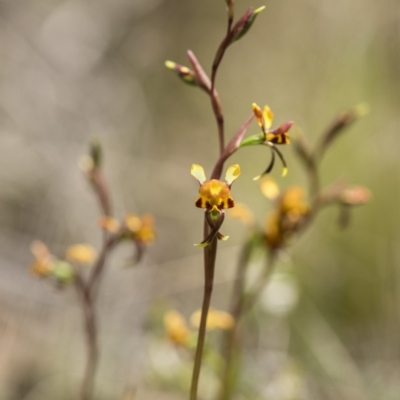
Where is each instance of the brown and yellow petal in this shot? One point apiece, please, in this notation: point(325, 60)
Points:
point(258, 114)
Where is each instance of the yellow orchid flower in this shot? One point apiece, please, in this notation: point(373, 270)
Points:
point(272, 137)
point(215, 197)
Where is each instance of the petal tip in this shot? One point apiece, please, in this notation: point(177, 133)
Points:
point(197, 171)
point(201, 244)
point(170, 64)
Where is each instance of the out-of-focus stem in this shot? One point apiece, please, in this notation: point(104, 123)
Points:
point(90, 328)
point(92, 348)
point(230, 337)
point(241, 303)
point(98, 268)
point(87, 294)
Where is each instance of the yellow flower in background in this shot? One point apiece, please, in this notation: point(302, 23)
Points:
point(242, 213)
point(273, 229)
point(215, 195)
point(44, 261)
point(141, 228)
point(216, 319)
point(292, 202)
point(81, 253)
point(269, 188)
point(109, 224)
point(176, 327)
point(287, 217)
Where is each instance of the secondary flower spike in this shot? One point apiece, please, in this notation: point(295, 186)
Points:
point(272, 137)
point(215, 197)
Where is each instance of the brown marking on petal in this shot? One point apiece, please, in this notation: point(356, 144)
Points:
point(199, 203)
point(280, 138)
point(230, 202)
point(207, 205)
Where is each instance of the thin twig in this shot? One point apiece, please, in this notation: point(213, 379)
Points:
point(87, 293)
point(91, 336)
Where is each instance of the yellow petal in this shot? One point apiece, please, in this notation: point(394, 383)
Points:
point(232, 173)
point(176, 327)
point(259, 9)
point(82, 253)
point(170, 64)
point(202, 244)
point(198, 172)
point(109, 224)
point(268, 117)
point(133, 222)
point(269, 188)
point(258, 113)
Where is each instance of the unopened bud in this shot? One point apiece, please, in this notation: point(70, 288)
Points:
point(63, 273)
point(245, 22)
point(341, 122)
point(355, 196)
point(184, 73)
point(230, 6)
point(96, 152)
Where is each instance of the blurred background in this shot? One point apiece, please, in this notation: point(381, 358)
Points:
point(328, 327)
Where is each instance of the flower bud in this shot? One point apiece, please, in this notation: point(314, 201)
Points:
point(184, 73)
point(244, 24)
point(355, 196)
point(96, 152)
